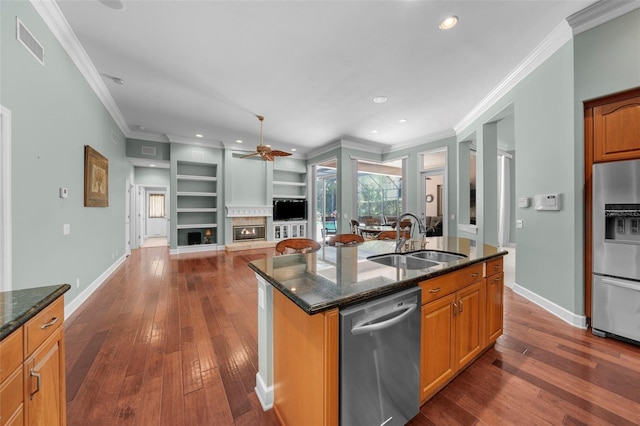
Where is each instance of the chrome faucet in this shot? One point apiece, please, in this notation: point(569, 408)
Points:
point(400, 240)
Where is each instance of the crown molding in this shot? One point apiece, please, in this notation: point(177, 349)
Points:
point(193, 141)
point(422, 140)
point(599, 13)
point(554, 41)
point(57, 23)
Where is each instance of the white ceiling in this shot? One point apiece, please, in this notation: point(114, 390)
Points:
point(311, 68)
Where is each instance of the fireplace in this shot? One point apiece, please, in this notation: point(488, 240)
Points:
point(248, 233)
point(248, 227)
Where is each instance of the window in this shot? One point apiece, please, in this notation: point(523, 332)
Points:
point(379, 191)
point(156, 206)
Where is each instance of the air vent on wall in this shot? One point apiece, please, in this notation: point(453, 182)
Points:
point(29, 41)
point(197, 155)
point(148, 150)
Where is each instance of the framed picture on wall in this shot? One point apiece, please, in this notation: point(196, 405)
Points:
point(96, 178)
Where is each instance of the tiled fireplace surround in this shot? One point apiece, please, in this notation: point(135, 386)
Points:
point(247, 216)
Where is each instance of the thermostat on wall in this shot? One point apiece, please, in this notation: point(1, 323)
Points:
point(548, 202)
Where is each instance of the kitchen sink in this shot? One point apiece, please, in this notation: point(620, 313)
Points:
point(408, 262)
point(437, 256)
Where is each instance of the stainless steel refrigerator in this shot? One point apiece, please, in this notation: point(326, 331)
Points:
point(616, 249)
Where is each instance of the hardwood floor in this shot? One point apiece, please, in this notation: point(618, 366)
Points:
point(173, 340)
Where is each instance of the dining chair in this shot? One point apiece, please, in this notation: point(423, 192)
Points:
point(345, 240)
point(297, 245)
point(355, 225)
point(387, 235)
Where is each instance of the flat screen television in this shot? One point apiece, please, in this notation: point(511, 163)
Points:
point(289, 209)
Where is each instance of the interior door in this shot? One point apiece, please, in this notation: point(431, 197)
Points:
point(127, 217)
point(156, 218)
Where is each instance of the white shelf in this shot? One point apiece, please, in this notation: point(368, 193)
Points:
point(301, 197)
point(196, 210)
point(286, 183)
point(196, 194)
point(197, 178)
point(197, 226)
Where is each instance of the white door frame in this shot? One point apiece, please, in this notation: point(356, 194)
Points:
point(6, 282)
point(424, 172)
point(127, 217)
point(140, 195)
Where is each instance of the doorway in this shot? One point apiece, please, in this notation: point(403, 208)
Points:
point(325, 200)
point(434, 203)
point(153, 216)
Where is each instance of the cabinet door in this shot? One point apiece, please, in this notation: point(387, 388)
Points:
point(470, 320)
point(495, 307)
point(437, 363)
point(616, 130)
point(43, 373)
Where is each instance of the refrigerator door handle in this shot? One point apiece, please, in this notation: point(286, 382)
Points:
point(620, 283)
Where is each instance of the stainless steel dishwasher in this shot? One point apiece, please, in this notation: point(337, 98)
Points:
point(380, 360)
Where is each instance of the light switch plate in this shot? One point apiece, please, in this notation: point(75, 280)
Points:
point(66, 229)
point(519, 223)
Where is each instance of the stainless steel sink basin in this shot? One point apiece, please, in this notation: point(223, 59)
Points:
point(402, 261)
point(437, 256)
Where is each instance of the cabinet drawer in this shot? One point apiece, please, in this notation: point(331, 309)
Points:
point(441, 286)
point(494, 266)
point(11, 395)
point(11, 353)
point(43, 325)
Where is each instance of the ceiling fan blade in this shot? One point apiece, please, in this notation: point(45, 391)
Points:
point(250, 155)
point(278, 153)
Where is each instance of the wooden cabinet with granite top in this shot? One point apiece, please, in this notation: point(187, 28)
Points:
point(32, 369)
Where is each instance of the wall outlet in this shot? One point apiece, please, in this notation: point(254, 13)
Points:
point(519, 223)
point(64, 192)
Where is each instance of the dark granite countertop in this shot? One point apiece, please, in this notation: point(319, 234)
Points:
point(339, 277)
point(19, 306)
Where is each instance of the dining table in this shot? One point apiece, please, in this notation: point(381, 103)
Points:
point(372, 231)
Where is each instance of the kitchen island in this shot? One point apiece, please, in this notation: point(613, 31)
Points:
point(298, 323)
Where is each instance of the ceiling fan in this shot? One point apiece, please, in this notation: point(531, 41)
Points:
point(265, 151)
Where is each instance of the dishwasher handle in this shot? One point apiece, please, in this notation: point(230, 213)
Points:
point(362, 329)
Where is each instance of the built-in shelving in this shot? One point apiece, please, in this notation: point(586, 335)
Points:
point(289, 184)
point(197, 205)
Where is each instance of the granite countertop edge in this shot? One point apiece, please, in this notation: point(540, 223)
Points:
point(379, 291)
point(11, 326)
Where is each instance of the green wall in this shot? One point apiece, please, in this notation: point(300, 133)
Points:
point(134, 149)
point(150, 176)
point(54, 115)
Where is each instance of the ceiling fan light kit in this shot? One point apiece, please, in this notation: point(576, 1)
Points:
point(264, 151)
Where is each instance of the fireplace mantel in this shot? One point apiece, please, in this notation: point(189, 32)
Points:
point(249, 211)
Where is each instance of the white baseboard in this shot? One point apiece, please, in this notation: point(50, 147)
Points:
point(579, 321)
point(264, 393)
point(71, 307)
point(196, 248)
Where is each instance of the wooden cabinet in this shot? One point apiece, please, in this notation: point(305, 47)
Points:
point(305, 370)
point(616, 130)
point(456, 327)
point(495, 299)
point(33, 387)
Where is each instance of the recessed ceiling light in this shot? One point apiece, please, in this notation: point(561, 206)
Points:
point(374, 131)
point(113, 4)
point(448, 23)
point(293, 149)
point(402, 120)
point(152, 165)
point(380, 99)
point(238, 141)
point(199, 135)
